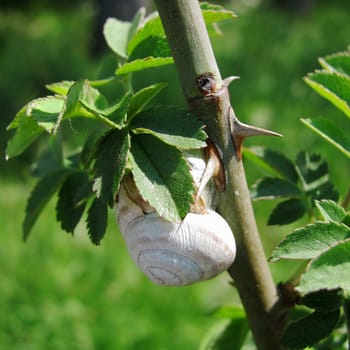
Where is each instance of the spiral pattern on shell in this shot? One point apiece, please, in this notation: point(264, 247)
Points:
point(198, 248)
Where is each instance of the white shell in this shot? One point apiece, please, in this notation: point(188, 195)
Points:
point(173, 254)
point(198, 248)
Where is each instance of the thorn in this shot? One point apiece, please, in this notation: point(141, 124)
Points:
point(240, 131)
point(227, 81)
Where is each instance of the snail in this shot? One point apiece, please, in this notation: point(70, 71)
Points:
point(198, 248)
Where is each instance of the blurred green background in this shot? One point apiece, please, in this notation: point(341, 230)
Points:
point(61, 292)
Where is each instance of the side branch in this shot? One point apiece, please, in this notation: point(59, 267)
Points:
point(209, 99)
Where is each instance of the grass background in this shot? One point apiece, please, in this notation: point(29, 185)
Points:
point(61, 292)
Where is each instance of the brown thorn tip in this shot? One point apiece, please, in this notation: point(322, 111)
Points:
point(240, 131)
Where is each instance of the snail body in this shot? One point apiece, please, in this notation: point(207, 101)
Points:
point(198, 248)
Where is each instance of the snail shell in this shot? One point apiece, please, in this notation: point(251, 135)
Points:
point(198, 248)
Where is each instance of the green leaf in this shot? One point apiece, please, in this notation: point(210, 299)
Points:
point(172, 125)
point(111, 156)
point(97, 221)
point(272, 161)
point(46, 111)
point(50, 159)
point(27, 132)
point(309, 330)
point(142, 98)
point(324, 300)
point(287, 212)
point(272, 188)
point(151, 26)
point(313, 173)
point(162, 176)
point(114, 115)
point(226, 335)
point(40, 196)
point(60, 88)
point(215, 13)
point(333, 86)
point(70, 206)
point(230, 334)
point(310, 241)
point(71, 103)
point(88, 153)
point(155, 46)
point(144, 63)
point(331, 211)
point(331, 270)
point(339, 62)
point(116, 33)
point(330, 132)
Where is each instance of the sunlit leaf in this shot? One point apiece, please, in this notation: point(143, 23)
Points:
point(142, 97)
point(155, 46)
point(172, 125)
point(26, 133)
point(151, 26)
point(330, 132)
point(116, 33)
point(60, 88)
point(46, 111)
point(333, 86)
point(330, 270)
point(331, 211)
point(144, 63)
point(310, 241)
point(215, 13)
point(162, 176)
point(339, 62)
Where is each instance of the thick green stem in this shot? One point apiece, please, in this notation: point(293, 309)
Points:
point(208, 98)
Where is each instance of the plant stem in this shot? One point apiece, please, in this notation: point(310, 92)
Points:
point(196, 65)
